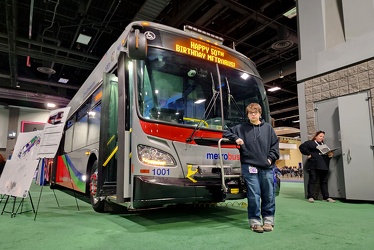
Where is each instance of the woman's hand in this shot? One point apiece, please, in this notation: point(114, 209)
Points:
point(309, 156)
point(330, 154)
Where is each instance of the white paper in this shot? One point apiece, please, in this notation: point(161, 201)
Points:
point(17, 177)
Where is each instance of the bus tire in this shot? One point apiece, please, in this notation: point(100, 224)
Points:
point(97, 204)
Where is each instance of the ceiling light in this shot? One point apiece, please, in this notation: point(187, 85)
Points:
point(46, 70)
point(274, 89)
point(83, 39)
point(280, 74)
point(51, 105)
point(291, 13)
point(63, 80)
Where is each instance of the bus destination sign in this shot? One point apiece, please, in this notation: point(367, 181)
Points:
point(205, 51)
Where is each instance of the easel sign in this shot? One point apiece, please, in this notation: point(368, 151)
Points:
point(17, 177)
point(52, 133)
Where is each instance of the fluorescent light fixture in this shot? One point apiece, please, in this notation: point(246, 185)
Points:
point(244, 76)
point(291, 13)
point(12, 134)
point(200, 101)
point(51, 105)
point(274, 89)
point(83, 39)
point(63, 80)
point(296, 121)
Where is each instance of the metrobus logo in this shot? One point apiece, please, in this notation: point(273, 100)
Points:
point(226, 157)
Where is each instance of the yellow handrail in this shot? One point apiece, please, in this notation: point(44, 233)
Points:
point(110, 156)
point(196, 120)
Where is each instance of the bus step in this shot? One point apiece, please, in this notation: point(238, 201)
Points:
point(235, 196)
point(231, 176)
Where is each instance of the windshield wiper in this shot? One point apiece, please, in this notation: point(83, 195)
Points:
point(209, 108)
point(229, 98)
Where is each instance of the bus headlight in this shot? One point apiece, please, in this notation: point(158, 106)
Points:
point(153, 156)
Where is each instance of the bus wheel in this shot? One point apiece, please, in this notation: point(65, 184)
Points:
point(97, 204)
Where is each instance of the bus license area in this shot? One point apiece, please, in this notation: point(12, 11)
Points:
point(161, 171)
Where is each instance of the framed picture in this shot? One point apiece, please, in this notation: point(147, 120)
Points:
point(27, 126)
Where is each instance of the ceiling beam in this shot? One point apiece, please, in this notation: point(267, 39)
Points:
point(283, 110)
point(51, 84)
point(32, 97)
point(20, 51)
point(183, 12)
point(54, 47)
point(11, 23)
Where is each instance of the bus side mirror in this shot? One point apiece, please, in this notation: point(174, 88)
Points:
point(137, 45)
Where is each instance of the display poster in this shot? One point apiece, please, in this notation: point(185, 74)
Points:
point(52, 133)
point(17, 177)
point(27, 146)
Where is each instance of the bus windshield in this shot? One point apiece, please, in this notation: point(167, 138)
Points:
point(179, 89)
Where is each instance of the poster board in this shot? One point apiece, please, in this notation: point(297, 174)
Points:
point(27, 146)
point(17, 177)
point(52, 133)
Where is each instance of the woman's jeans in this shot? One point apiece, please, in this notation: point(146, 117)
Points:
point(260, 195)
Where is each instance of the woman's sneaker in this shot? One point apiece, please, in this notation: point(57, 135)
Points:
point(330, 200)
point(257, 228)
point(267, 227)
point(311, 200)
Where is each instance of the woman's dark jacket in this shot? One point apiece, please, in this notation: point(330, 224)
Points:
point(317, 159)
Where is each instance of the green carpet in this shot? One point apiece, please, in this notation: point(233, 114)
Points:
point(299, 225)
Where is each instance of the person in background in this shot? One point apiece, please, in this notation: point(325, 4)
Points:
point(10, 155)
point(259, 150)
point(317, 166)
point(2, 163)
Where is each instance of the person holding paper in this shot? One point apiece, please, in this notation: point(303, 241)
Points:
point(317, 165)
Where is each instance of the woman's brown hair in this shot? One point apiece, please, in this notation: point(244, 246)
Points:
point(317, 134)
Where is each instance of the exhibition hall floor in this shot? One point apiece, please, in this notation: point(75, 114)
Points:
point(299, 225)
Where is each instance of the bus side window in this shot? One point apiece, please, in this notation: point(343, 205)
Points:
point(81, 127)
point(69, 134)
point(94, 124)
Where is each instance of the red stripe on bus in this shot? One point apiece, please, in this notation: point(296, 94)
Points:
point(175, 133)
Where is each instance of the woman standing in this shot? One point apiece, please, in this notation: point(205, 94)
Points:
point(317, 165)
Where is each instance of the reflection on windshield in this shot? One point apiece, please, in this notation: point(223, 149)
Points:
point(179, 89)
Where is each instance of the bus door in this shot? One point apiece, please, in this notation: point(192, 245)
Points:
point(108, 147)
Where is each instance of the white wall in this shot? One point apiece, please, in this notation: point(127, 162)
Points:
point(4, 120)
point(333, 36)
